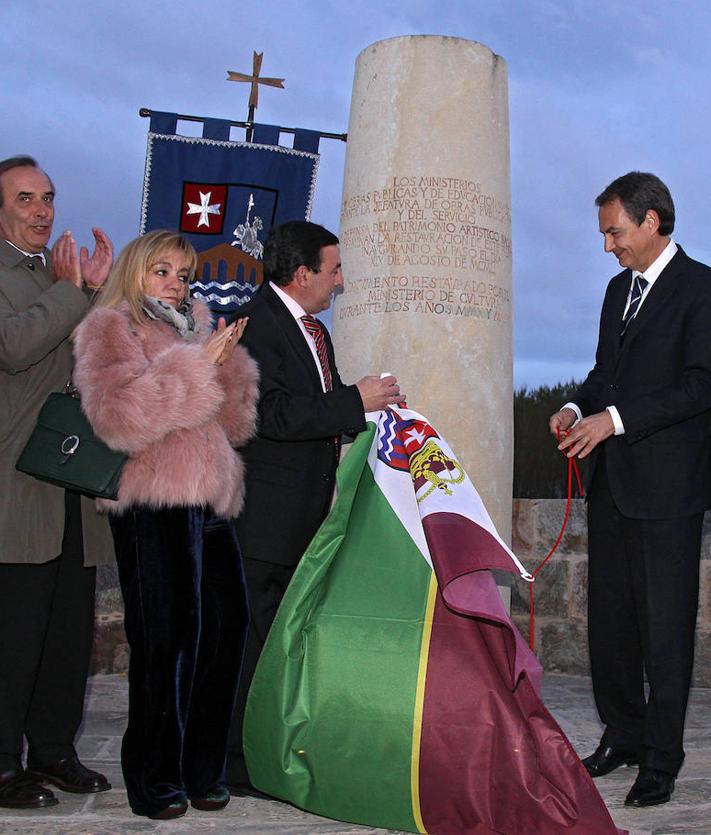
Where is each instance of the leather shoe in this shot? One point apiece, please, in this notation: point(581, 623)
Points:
point(651, 788)
point(216, 798)
point(606, 759)
point(18, 791)
point(176, 809)
point(70, 776)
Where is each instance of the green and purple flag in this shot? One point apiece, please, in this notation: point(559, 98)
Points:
point(393, 689)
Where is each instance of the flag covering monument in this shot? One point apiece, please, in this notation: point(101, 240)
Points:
point(393, 689)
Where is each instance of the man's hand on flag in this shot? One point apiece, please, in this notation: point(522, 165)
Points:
point(379, 392)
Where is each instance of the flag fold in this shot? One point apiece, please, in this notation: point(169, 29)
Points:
point(393, 689)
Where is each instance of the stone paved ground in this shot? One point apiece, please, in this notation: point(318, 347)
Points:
point(568, 697)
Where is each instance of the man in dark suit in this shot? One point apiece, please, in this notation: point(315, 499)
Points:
point(642, 415)
point(303, 410)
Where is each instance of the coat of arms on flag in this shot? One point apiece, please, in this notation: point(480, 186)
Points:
point(225, 196)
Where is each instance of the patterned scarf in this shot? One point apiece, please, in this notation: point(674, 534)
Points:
point(181, 319)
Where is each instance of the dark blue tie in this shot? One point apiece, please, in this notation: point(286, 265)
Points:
point(637, 291)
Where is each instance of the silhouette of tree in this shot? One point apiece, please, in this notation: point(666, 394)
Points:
point(540, 470)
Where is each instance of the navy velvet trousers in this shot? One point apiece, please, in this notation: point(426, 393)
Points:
point(185, 618)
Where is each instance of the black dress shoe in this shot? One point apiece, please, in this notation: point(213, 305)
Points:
point(651, 788)
point(607, 759)
point(176, 809)
point(18, 791)
point(70, 776)
point(216, 798)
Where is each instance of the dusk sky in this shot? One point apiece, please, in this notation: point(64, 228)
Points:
point(595, 89)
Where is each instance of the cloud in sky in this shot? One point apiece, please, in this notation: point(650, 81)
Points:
point(596, 89)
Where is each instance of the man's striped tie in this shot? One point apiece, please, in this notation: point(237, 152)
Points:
point(315, 330)
point(637, 291)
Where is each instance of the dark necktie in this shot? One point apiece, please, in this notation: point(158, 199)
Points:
point(315, 330)
point(637, 292)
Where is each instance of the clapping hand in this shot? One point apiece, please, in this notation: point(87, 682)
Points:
point(74, 266)
point(95, 269)
point(220, 344)
point(65, 262)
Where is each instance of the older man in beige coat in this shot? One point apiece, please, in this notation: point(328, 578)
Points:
point(49, 544)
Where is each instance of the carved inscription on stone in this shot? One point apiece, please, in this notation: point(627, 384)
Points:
point(427, 244)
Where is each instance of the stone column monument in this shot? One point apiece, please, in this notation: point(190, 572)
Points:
point(426, 245)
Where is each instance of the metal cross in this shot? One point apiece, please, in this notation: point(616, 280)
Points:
point(255, 81)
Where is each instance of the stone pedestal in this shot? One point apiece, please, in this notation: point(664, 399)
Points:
point(426, 245)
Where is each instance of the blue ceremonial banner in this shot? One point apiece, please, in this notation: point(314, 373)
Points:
point(224, 197)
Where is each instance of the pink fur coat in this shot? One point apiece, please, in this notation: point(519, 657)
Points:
point(156, 397)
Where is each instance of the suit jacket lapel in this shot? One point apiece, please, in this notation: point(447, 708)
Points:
point(657, 298)
point(617, 308)
point(293, 334)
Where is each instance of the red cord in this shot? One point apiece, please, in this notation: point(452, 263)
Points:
point(572, 468)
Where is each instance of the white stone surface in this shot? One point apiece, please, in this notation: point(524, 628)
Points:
point(426, 245)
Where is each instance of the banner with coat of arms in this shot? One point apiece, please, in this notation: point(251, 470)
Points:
point(224, 197)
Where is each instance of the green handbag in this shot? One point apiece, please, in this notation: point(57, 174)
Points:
point(64, 451)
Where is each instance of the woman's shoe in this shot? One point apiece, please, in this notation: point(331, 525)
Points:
point(216, 798)
point(176, 809)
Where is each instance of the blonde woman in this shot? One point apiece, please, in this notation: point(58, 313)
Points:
point(158, 383)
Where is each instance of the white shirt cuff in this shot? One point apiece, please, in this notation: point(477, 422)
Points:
point(574, 407)
point(617, 420)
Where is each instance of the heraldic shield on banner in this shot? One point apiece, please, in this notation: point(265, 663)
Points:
point(225, 196)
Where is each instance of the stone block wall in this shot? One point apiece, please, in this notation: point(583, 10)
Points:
point(560, 594)
point(560, 590)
